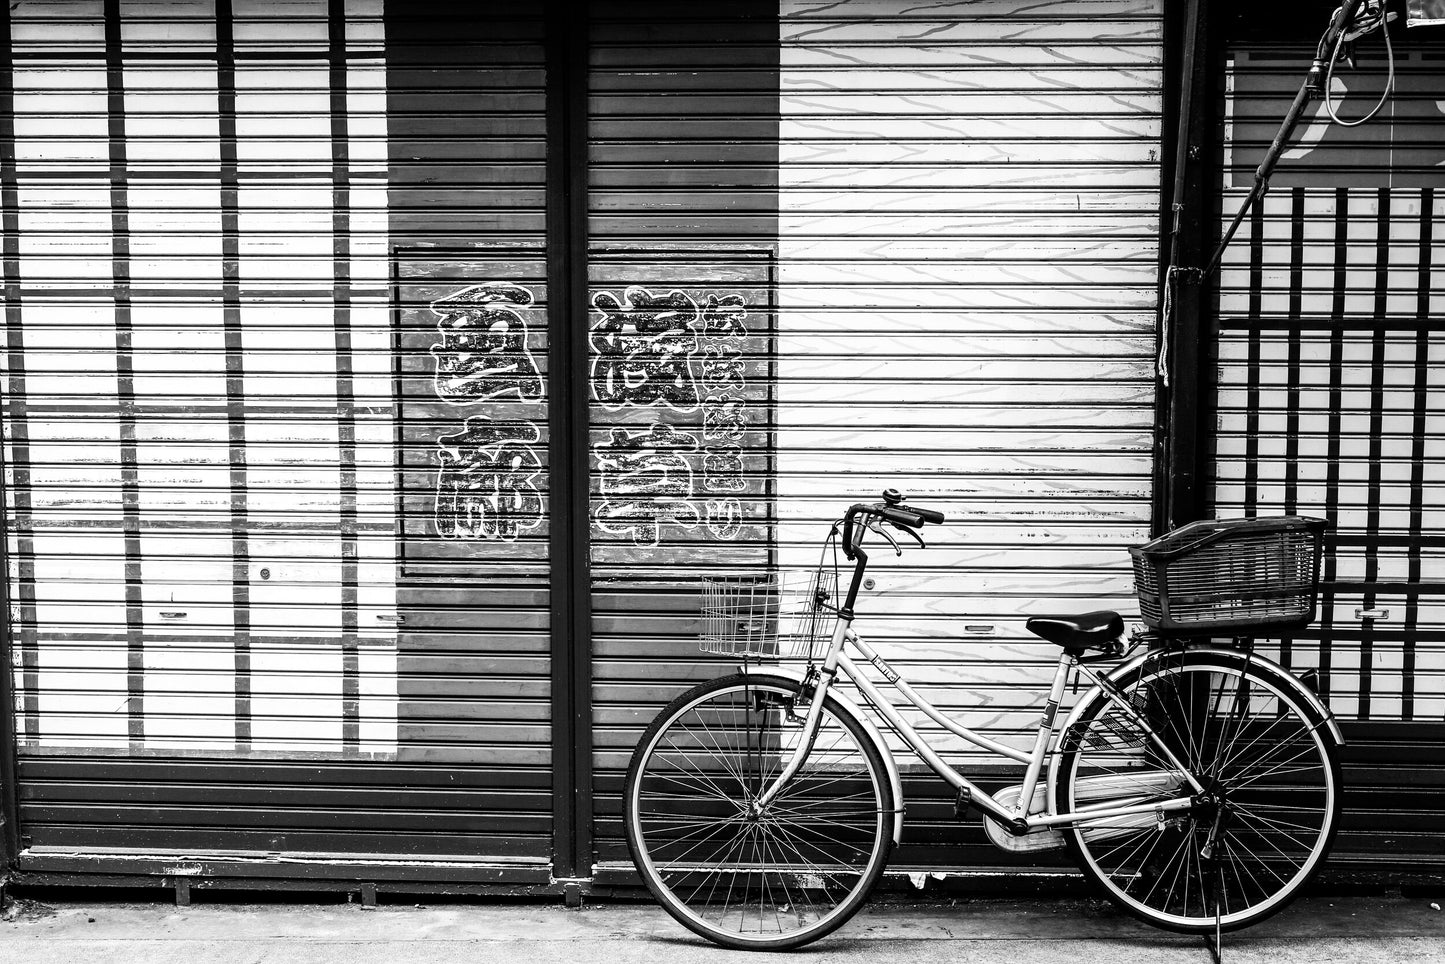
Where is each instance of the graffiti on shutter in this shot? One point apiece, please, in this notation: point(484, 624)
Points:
point(682, 393)
point(483, 354)
point(471, 348)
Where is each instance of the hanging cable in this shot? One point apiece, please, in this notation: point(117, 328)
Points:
point(1166, 312)
point(1380, 24)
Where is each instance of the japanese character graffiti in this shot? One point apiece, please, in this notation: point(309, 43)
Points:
point(487, 486)
point(483, 355)
point(487, 480)
point(646, 482)
point(725, 416)
point(669, 353)
point(642, 350)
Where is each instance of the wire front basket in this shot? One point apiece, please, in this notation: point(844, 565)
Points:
point(772, 615)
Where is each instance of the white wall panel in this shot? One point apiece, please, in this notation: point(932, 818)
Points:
point(967, 265)
point(191, 520)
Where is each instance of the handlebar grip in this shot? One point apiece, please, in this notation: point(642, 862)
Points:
point(900, 516)
point(928, 515)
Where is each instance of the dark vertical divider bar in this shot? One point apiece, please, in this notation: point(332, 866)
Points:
point(345, 383)
point(1377, 426)
point(1292, 331)
point(1292, 382)
point(19, 467)
point(570, 550)
point(125, 371)
point(1332, 434)
point(1418, 426)
point(235, 369)
point(1252, 373)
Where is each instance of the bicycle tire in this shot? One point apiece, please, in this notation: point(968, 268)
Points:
point(799, 870)
point(1270, 768)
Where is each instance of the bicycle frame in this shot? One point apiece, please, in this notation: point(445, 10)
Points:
point(839, 662)
point(1020, 821)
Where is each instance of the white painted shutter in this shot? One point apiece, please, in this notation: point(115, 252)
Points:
point(199, 422)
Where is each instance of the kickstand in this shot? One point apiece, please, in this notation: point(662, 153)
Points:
point(1215, 941)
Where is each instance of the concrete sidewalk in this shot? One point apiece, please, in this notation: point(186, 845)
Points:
point(976, 931)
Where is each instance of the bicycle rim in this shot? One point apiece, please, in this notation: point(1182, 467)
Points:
point(1271, 780)
point(771, 880)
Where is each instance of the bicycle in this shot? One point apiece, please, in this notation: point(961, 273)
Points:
point(1199, 784)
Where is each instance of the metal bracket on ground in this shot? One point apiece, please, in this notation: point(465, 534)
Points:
point(573, 889)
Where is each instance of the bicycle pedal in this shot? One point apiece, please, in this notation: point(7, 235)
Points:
point(963, 804)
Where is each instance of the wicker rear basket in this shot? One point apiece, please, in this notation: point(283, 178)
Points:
point(1233, 575)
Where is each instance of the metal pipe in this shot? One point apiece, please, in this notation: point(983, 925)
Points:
point(926, 753)
point(1054, 820)
point(1312, 86)
point(929, 710)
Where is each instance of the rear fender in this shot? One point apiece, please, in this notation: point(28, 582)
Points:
point(847, 705)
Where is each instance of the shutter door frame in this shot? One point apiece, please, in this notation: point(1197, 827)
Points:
point(571, 601)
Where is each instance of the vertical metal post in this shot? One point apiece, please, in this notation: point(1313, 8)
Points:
point(570, 539)
point(1179, 494)
point(9, 791)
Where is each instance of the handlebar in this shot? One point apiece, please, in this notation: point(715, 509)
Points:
point(892, 510)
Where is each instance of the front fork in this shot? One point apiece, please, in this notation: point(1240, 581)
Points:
point(821, 679)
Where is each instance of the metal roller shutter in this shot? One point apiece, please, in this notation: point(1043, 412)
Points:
point(467, 116)
point(968, 208)
point(203, 440)
point(1330, 404)
point(683, 168)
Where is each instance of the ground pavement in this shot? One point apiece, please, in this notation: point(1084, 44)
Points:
point(75, 927)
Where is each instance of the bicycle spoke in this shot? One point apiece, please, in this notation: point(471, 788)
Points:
point(1249, 857)
point(1269, 838)
point(1274, 744)
point(697, 770)
point(679, 859)
point(1134, 876)
point(1144, 837)
point(1239, 808)
point(815, 868)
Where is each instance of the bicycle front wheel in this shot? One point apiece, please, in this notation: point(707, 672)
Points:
point(743, 877)
point(1264, 823)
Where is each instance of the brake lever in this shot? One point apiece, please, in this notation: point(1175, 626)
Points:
point(877, 527)
point(914, 533)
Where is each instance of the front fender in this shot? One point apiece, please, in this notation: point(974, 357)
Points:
point(852, 709)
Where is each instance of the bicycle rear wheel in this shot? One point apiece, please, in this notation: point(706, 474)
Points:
point(1265, 824)
point(767, 880)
